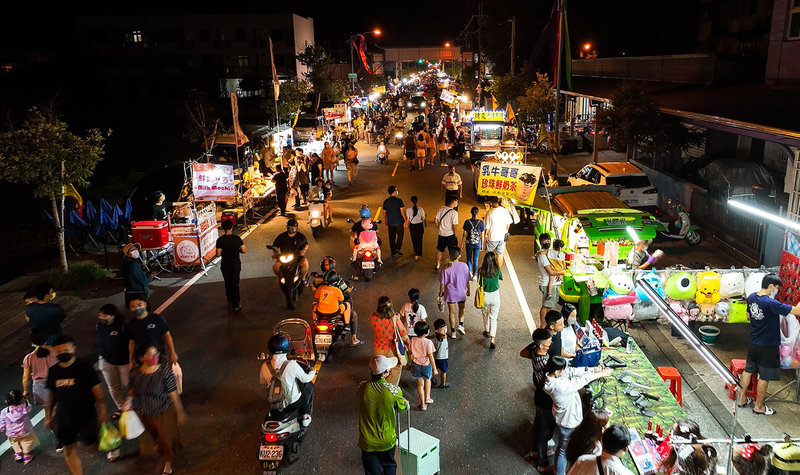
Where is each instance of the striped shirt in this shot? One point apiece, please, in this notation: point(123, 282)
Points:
point(151, 391)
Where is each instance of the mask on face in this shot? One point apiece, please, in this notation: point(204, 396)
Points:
point(52, 295)
point(139, 311)
point(545, 245)
point(291, 229)
point(773, 293)
point(64, 357)
point(152, 361)
point(134, 254)
point(572, 321)
point(107, 321)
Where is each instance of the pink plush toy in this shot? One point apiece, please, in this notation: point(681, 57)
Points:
point(618, 312)
point(681, 311)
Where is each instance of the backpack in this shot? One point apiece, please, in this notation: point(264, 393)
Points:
point(474, 236)
point(276, 396)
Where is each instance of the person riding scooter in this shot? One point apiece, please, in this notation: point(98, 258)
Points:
point(294, 242)
point(321, 194)
point(330, 301)
point(364, 235)
point(295, 382)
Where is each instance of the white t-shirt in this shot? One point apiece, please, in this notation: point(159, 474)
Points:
point(410, 318)
point(451, 182)
point(291, 376)
point(415, 219)
point(569, 340)
point(497, 222)
point(587, 465)
point(544, 277)
point(447, 217)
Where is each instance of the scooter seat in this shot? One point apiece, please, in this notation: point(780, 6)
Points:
point(282, 416)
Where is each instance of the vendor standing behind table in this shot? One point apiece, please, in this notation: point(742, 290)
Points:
point(163, 208)
point(639, 258)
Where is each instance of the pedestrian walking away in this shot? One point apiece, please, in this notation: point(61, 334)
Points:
point(229, 246)
point(454, 290)
point(416, 219)
point(472, 240)
point(396, 220)
point(442, 148)
point(15, 422)
point(351, 162)
point(76, 404)
point(281, 180)
point(113, 358)
point(423, 366)
point(549, 298)
point(387, 326)
point(378, 404)
point(447, 223)
point(329, 161)
point(498, 220)
point(45, 315)
point(489, 277)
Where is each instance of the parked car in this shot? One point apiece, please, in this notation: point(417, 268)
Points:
point(635, 188)
point(308, 128)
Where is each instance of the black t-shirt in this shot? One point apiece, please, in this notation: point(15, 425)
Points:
point(230, 245)
point(555, 346)
point(410, 147)
point(281, 185)
point(392, 205)
point(72, 390)
point(316, 167)
point(112, 342)
point(47, 317)
point(148, 331)
point(287, 243)
point(160, 211)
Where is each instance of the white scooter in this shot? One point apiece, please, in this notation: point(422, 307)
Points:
point(317, 217)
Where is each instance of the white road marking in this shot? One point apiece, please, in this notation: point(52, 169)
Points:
point(523, 303)
point(5, 446)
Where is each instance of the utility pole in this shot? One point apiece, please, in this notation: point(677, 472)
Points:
point(480, 54)
point(557, 144)
point(513, 36)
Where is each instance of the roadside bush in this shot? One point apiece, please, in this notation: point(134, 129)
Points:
point(79, 275)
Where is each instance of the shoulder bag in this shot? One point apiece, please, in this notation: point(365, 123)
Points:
point(479, 293)
point(400, 349)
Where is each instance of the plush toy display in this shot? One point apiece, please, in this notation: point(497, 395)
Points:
point(694, 311)
point(645, 311)
point(620, 290)
point(707, 312)
point(737, 312)
point(680, 310)
point(651, 278)
point(721, 311)
point(731, 284)
point(753, 283)
point(680, 286)
point(707, 288)
point(618, 312)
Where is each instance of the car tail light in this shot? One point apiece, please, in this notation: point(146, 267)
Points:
point(651, 191)
point(270, 437)
point(323, 327)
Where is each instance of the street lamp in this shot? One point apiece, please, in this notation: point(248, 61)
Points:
point(447, 44)
point(375, 32)
point(587, 46)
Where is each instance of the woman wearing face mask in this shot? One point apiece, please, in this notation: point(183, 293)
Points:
point(569, 339)
point(154, 397)
point(133, 277)
point(112, 348)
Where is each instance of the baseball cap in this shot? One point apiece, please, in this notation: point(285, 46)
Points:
point(380, 364)
point(786, 457)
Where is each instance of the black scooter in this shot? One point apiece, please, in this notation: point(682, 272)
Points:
point(291, 281)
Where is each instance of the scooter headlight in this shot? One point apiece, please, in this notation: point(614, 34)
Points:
point(287, 258)
point(315, 214)
point(283, 281)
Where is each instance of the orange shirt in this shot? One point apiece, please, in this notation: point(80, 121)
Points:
point(328, 299)
point(384, 331)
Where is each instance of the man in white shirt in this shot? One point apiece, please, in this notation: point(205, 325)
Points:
point(296, 384)
point(549, 299)
point(451, 184)
point(447, 222)
point(497, 220)
point(615, 442)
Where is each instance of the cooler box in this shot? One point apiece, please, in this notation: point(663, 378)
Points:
point(422, 457)
point(150, 234)
point(228, 215)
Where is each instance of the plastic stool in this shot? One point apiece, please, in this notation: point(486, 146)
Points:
point(668, 373)
point(737, 368)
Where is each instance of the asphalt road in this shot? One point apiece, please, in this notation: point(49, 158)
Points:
point(483, 421)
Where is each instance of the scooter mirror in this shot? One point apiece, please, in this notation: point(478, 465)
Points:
point(349, 220)
point(262, 356)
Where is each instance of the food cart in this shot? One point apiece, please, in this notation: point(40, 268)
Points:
point(487, 133)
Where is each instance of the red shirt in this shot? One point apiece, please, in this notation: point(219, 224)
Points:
point(384, 331)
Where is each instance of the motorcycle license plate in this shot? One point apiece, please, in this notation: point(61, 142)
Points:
point(367, 265)
point(270, 452)
point(323, 339)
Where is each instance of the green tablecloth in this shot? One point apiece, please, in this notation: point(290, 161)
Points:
point(666, 409)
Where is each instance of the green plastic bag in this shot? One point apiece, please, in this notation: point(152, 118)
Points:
point(109, 438)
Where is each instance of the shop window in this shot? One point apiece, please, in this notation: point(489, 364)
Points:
point(244, 61)
point(134, 36)
point(794, 21)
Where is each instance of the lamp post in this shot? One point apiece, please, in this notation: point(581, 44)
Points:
point(375, 32)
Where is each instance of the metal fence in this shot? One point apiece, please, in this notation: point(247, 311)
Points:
point(741, 232)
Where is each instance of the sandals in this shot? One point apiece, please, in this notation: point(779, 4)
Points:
point(429, 401)
point(423, 408)
point(768, 411)
point(747, 402)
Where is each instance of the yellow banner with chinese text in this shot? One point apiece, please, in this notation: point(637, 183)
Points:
point(517, 182)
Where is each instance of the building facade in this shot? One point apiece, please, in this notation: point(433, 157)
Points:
point(783, 57)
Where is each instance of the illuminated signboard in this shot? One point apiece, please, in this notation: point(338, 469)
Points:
point(489, 116)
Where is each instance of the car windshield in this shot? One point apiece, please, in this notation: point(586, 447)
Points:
point(629, 181)
point(306, 123)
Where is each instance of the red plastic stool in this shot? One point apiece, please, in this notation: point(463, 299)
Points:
point(737, 368)
point(668, 373)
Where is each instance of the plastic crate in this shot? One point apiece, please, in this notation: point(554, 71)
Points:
point(422, 457)
point(150, 234)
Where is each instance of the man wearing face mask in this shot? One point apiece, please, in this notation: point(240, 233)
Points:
point(549, 299)
point(112, 348)
point(291, 241)
point(75, 390)
point(763, 356)
point(136, 282)
point(45, 315)
point(148, 329)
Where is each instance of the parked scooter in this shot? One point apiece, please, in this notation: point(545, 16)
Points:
point(282, 432)
point(366, 261)
point(291, 281)
point(680, 229)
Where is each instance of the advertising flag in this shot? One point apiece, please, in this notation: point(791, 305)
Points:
point(509, 113)
point(509, 180)
point(361, 50)
point(275, 83)
point(237, 130)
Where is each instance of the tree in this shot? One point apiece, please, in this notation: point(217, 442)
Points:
point(293, 97)
point(538, 102)
point(42, 151)
point(509, 87)
point(670, 139)
point(631, 118)
point(201, 120)
point(469, 79)
point(318, 61)
point(339, 91)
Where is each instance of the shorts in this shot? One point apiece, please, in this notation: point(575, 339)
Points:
point(764, 361)
point(460, 302)
point(447, 242)
point(420, 371)
point(24, 444)
point(552, 301)
point(70, 430)
point(442, 365)
point(498, 247)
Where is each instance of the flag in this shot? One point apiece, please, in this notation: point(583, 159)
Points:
point(275, 83)
point(538, 57)
point(361, 50)
point(509, 113)
point(494, 103)
point(566, 65)
point(70, 190)
point(296, 116)
point(241, 139)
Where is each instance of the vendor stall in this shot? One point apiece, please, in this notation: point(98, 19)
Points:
point(195, 241)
